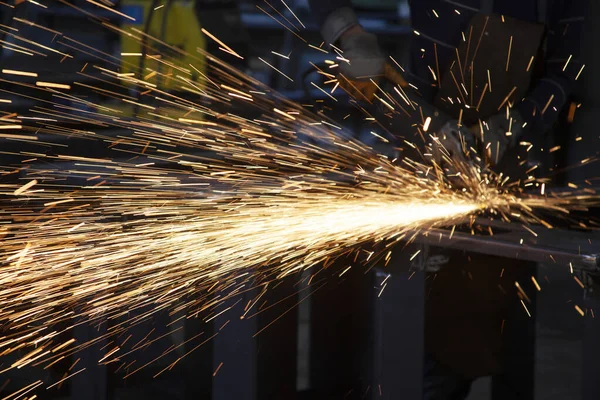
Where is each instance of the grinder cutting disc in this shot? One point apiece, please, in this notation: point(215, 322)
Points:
point(494, 65)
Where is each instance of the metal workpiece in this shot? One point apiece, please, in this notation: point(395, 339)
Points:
point(580, 250)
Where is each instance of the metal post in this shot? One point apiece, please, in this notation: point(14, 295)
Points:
point(398, 341)
point(92, 384)
point(591, 346)
point(234, 353)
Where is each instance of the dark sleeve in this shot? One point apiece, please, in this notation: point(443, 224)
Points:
point(548, 95)
point(322, 8)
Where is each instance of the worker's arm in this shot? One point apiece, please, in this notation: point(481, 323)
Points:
point(539, 110)
point(366, 63)
point(542, 105)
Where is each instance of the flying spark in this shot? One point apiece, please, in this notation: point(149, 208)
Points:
point(198, 196)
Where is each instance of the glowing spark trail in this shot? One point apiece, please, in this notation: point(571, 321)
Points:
point(197, 196)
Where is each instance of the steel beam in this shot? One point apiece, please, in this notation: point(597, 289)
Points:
point(562, 247)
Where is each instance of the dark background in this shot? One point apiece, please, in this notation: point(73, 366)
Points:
point(344, 342)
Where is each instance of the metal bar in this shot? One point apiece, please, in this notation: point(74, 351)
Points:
point(501, 247)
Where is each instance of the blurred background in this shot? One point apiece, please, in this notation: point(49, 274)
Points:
point(347, 341)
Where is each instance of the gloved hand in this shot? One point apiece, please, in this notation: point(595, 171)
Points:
point(452, 140)
point(363, 58)
point(499, 132)
point(366, 62)
point(361, 49)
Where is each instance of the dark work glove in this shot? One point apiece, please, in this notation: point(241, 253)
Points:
point(500, 132)
point(452, 141)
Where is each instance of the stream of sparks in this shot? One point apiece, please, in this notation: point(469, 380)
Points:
point(207, 192)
